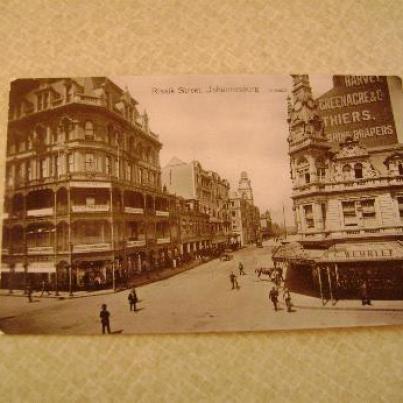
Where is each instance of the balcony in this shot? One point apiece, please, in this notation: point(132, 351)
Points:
point(160, 213)
point(90, 208)
point(40, 250)
point(134, 210)
point(162, 241)
point(94, 247)
point(132, 244)
point(42, 212)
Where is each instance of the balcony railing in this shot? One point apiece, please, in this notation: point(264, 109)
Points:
point(131, 244)
point(40, 250)
point(95, 208)
point(94, 247)
point(42, 212)
point(134, 210)
point(161, 241)
point(160, 213)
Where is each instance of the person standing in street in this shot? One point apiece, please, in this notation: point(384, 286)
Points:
point(287, 298)
point(241, 271)
point(29, 293)
point(234, 281)
point(132, 299)
point(105, 315)
point(365, 299)
point(273, 296)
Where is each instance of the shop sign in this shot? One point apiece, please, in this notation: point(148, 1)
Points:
point(358, 107)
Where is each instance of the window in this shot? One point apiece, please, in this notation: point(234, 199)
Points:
point(304, 176)
point(358, 171)
point(89, 162)
point(71, 162)
point(90, 201)
point(39, 102)
point(117, 168)
point(349, 213)
point(368, 211)
point(323, 209)
point(89, 130)
point(45, 100)
point(308, 214)
point(108, 165)
point(400, 168)
point(400, 203)
point(44, 168)
point(140, 175)
point(128, 172)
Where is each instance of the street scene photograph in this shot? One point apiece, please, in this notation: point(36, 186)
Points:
point(177, 204)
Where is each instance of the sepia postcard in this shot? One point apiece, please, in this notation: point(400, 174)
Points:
point(173, 204)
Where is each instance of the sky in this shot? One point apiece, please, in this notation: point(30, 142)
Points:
point(227, 132)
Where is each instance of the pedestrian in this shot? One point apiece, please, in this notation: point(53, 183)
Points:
point(365, 299)
point(29, 293)
point(132, 299)
point(241, 271)
point(45, 287)
point(287, 298)
point(273, 296)
point(104, 315)
point(234, 281)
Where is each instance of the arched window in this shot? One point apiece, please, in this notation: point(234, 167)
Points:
point(347, 172)
point(89, 130)
point(358, 171)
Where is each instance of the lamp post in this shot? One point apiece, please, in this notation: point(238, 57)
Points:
point(71, 271)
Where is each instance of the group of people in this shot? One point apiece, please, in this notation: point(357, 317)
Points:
point(233, 277)
point(277, 279)
point(104, 315)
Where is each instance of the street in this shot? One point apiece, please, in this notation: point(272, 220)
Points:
point(199, 300)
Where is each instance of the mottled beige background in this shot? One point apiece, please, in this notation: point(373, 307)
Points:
point(63, 38)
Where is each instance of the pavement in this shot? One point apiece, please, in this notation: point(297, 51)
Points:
point(197, 300)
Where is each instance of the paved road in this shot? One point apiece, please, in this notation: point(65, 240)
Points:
point(199, 300)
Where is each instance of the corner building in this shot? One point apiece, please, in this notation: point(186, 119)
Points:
point(83, 204)
point(347, 190)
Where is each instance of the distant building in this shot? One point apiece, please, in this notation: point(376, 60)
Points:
point(245, 216)
point(346, 160)
point(207, 188)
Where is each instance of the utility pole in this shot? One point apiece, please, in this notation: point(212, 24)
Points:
point(284, 224)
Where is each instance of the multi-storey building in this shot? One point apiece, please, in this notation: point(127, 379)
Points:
point(347, 188)
point(192, 182)
point(245, 216)
point(83, 204)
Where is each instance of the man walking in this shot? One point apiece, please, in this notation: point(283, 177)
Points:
point(241, 271)
point(104, 315)
point(45, 287)
point(273, 296)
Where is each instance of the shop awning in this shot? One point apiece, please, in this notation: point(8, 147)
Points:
point(294, 251)
point(18, 268)
point(363, 252)
point(41, 267)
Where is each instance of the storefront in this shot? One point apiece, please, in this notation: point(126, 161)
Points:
point(339, 271)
